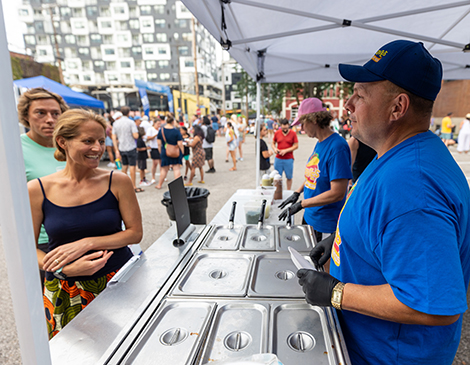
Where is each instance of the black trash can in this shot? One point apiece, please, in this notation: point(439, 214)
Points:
point(197, 202)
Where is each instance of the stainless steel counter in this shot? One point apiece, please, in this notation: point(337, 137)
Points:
point(97, 331)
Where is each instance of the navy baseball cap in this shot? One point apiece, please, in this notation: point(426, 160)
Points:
point(405, 63)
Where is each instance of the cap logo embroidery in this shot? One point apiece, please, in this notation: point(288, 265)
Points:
point(378, 55)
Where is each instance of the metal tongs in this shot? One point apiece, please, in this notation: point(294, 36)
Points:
point(232, 216)
point(289, 220)
point(261, 215)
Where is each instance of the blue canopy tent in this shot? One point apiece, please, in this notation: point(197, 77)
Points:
point(72, 98)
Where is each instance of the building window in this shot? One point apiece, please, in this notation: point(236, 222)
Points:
point(43, 39)
point(122, 25)
point(108, 39)
point(82, 40)
point(160, 23)
point(92, 11)
point(136, 39)
point(106, 24)
point(163, 64)
point(122, 38)
point(136, 51)
point(148, 37)
point(161, 37)
point(109, 51)
point(125, 64)
point(119, 10)
point(152, 76)
point(39, 26)
point(96, 38)
point(72, 65)
point(84, 51)
point(65, 11)
point(139, 65)
point(183, 51)
point(23, 12)
point(29, 39)
point(133, 11)
point(146, 10)
point(99, 64)
point(148, 50)
point(188, 37)
point(164, 76)
point(78, 12)
point(42, 52)
point(146, 23)
point(111, 65)
point(87, 65)
point(126, 78)
point(181, 23)
point(162, 50)
point(112, 78)
point(70, 38)
point(150, 65)
point(86, 78)
point(188, 63)
point(73, 79)
point(92, 26)
point(79, 25)
point(124, 52)
point(176, 36)
point(159, 9)
point(134, 24)
point(104, 11)
point(95, 53)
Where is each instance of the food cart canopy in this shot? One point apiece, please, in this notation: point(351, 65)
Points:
point(72, 98)
point(304, 41)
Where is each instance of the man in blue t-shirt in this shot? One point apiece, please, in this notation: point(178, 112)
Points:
point(400, 263)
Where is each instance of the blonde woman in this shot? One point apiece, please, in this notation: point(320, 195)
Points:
point(82, 208)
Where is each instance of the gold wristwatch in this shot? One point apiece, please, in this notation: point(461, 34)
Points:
point(337, 295)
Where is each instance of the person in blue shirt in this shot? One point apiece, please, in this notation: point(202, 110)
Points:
point(400, 263)
point(327, 172)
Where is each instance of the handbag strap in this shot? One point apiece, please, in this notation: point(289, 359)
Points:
point(163, 133)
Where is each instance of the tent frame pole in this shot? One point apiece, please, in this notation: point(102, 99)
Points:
point(257, 127)
point(17, 229)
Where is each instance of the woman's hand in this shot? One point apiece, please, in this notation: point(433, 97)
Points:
point(88, 265)
point(62, 255)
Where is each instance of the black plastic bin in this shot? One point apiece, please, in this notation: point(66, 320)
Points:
point(197, 202)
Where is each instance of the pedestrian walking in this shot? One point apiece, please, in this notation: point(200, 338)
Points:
point(464, 135)
point(198, 155)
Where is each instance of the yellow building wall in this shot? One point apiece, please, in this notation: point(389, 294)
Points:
point(191, 103)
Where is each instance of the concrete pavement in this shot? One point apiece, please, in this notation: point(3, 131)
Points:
point(221, 185)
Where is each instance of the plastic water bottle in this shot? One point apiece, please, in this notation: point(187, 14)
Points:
point(118, 163)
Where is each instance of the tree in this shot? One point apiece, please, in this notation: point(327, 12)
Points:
point(246, 88)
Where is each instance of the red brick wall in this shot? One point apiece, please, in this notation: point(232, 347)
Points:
point(454, 97)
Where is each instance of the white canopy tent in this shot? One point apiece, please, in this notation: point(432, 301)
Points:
point(275, 41)
point(304, 41)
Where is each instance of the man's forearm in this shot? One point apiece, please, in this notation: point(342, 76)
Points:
point(379, 301)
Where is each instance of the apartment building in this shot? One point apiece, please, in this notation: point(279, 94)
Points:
point(106, 45)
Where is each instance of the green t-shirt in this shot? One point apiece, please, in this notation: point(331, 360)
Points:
point(39, 161)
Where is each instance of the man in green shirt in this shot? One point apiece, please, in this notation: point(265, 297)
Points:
point(38, 110)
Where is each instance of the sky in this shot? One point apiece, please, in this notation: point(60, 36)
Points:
point(14, 27)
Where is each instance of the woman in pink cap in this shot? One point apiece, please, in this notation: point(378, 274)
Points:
point(327, 172)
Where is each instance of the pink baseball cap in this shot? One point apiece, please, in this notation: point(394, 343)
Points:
point(307, 106)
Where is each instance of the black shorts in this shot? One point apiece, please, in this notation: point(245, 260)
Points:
point(142, 164)
point(155, 154)
point(208, 152)
point(129, 157)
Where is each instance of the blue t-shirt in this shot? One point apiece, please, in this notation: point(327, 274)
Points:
point(330, 160)
point(269, 123)
point(215, 123)
point(406, 223)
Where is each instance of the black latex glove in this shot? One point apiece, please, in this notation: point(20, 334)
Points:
point(288, 212)
point(292, 199)
point(322, 250)
point(317, 286)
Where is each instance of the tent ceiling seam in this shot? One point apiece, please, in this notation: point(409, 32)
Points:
point(408, 35)
point(414, 12)
point(287, 34)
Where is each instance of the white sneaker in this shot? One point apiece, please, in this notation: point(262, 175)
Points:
point(111, 164)
point(144, 183)
point(152, 182)
point(240, 159)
